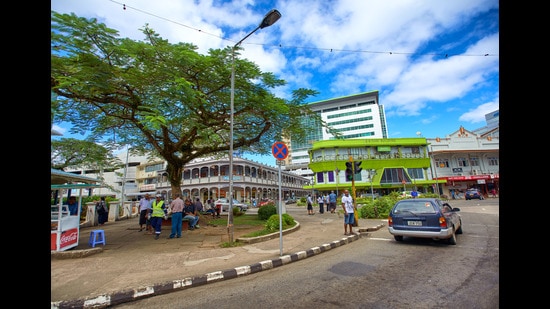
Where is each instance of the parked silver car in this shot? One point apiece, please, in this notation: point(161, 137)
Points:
point(424, 218)
point(224, 203)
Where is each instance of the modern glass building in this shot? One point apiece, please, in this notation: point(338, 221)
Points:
point(357, 116)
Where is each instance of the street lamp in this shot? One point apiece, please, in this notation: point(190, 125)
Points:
point(269, 19)
point(372, 173)
point(312, 188)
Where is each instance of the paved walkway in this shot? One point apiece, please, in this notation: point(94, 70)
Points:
point(133, 264)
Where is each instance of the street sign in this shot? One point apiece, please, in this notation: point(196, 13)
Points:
point(279, 150)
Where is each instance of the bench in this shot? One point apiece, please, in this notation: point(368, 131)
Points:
point(184, 223)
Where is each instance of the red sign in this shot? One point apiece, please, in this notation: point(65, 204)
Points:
point(473, 177)
point(68, 237)
point(279, 150)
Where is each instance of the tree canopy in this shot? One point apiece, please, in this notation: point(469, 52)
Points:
point(74, 153)
point(165, 99)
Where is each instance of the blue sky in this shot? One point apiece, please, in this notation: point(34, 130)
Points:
point(435, 63)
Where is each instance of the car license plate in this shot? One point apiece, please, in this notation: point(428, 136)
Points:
point(415, 223)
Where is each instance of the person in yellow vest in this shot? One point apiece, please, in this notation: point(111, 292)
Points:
point(158, 213)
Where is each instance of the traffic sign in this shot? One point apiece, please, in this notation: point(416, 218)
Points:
point(279, 150)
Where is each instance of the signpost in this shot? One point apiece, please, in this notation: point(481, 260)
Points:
point(280, 152)
point(353, 166)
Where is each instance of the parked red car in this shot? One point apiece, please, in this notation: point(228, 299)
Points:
point(266, 201)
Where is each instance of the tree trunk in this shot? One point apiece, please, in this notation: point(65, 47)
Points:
point(175, 173)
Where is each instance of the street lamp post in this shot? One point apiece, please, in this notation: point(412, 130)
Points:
point(312, 188)
point(269, 19)
point(372, 173)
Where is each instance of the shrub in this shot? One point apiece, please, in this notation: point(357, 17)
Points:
point(237, 212)
point(288, 220)
point(272, 224)
point(379, 209)
point(266, 211)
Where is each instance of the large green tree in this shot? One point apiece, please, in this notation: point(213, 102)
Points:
point(166, 99)
point(74, 153)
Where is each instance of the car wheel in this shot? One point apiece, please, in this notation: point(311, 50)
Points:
point(398, 238)
point(459, 231)
point(452, 239)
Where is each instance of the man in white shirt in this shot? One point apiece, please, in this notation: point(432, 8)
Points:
point(144, 209)
point(349, 219)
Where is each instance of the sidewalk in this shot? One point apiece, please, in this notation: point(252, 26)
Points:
point(134, 265)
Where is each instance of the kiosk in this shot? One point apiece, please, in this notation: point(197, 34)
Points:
point(65, 228)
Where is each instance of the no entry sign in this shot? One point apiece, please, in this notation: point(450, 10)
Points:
point(279, 150)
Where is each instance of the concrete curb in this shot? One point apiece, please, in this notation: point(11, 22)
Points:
point(116, 298)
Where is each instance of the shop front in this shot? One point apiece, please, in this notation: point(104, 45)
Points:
point(457, 185)
point(65, 228)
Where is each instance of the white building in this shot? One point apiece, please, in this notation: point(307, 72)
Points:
point(468, 159)
point(356, 116)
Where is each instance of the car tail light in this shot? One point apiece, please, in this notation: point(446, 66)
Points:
point(442, 222)
point(390, 221)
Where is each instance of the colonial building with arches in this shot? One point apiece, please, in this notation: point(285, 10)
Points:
point(208, 178)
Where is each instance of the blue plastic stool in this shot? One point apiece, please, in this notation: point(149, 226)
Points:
point(96, 237)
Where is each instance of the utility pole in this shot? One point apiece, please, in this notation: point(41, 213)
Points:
point(352, 168)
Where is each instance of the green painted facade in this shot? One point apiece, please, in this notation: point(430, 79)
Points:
point(393, 159)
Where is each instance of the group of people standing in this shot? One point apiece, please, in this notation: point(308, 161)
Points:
point(151, 214)
point(330, 202)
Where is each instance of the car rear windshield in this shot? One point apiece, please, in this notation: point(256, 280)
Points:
point(415, 207)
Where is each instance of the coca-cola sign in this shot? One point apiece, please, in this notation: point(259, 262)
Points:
point(68, 237)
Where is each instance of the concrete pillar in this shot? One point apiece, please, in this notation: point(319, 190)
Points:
point(113, 210)
point(91, 214)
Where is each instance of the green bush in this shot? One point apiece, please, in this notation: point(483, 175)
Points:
point(379, 209)
point(272, 224)
point(265, 212)
point(288, 220)
point(237, 212)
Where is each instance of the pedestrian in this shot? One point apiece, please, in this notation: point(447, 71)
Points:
point(102, 211)
point(158, 212)
point(332, 201)
point(349, 219)
point(326, 202)
point(321, 204)
point(309, 205)
point(210, 210)
point(190, 212)
point(176, 207)
point(144, 209)
point(215, 209)
point(414, 193)
point(199, 206)
point(494, 192)
point(72, 205)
